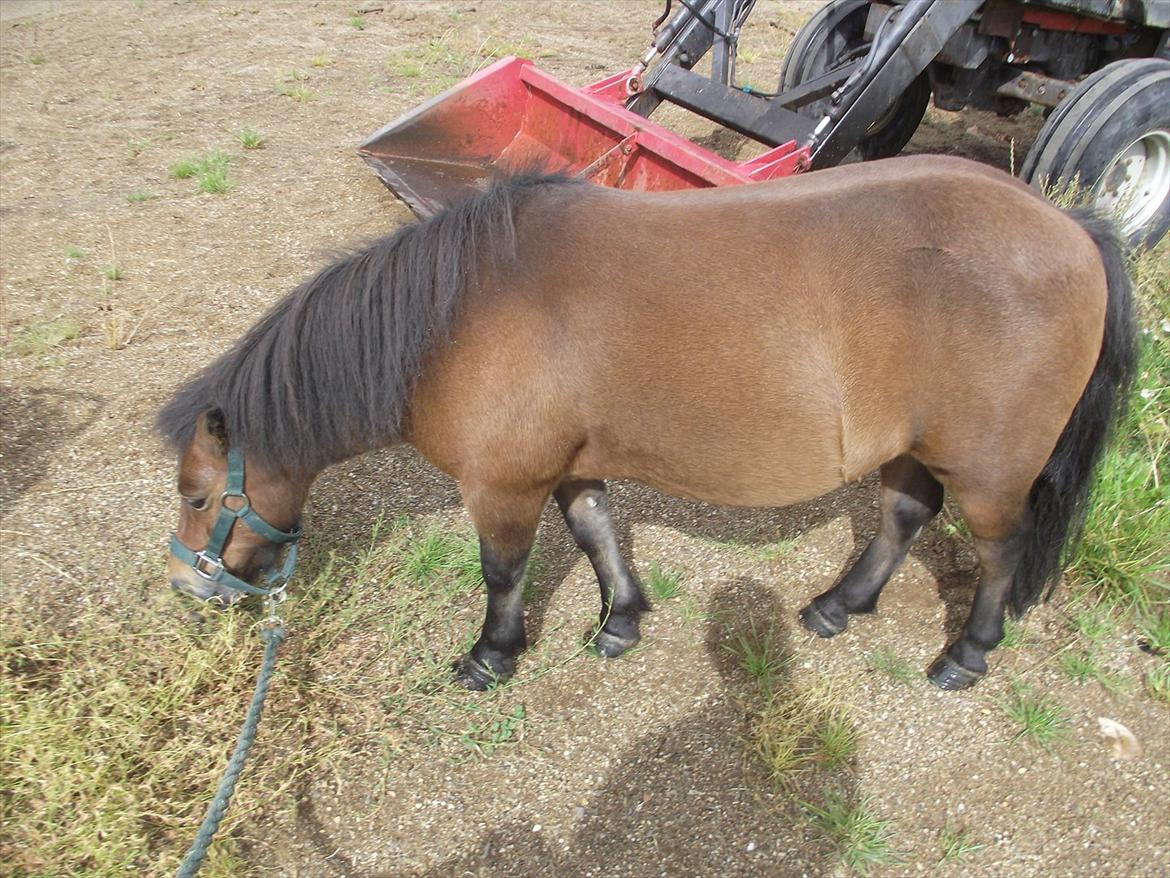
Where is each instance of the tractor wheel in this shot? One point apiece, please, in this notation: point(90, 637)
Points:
point(836, 36)
point(1111, 137)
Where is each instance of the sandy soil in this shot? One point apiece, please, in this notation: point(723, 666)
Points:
point(636, 767)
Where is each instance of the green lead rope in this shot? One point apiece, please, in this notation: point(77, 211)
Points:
point(272, 635)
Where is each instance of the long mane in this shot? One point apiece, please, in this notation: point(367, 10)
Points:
point(328, 371)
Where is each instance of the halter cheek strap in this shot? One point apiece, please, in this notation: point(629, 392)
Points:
point(234, 506)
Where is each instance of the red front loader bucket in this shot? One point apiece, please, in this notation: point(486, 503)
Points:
point(513, 116)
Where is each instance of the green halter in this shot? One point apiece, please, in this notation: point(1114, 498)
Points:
point(208, 563)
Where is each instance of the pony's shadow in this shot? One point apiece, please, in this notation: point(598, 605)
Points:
point(689, 799)
point(398, 482)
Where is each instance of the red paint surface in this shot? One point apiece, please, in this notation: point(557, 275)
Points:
point(512, 115)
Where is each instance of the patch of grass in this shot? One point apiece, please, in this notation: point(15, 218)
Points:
point(1122, 557)
point(210, 172)
point(889, 662)
point(800, 731)
point(299, 93)
point(36, 58)
point(692, 613)
point(760, 656)
point(38, 338)
point(136, 147)
point(1094, 622)
point(319, 61)
point(128, 719)
point(1014, 633)
point(112, 272)
point(1157, 682)
point(1155, 630)
point(185, 168)
point(408, 69)
point(1041, 720)
point(436, 554)
point(74, 253)
point(837, 740)
point(138, 196)
point(861, 838)
point(956, 844)
point(494, 731)
point(357, 22)
point(250, 139)
point(664, 584)
point(1081, 667)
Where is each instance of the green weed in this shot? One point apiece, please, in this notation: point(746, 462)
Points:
point(1082, 667)
point(112, 272)
point(357, 23)
point(319, 61)
point(436, 554)
point(1122, 558)
point(74, 253)
point(861, 838)
point(1157, 681)
point(498, 729)
point(250, 139)
point(36, 58)
point(38, 338)
point(889, 662)
point(836, 739)
point(1155, 630)
point(1014, 634)
point(760, 656)
point(210, 172)
point(138, 196)
point(299, 93)
point(956, 845)
point(664, 584)
point(1041, 720)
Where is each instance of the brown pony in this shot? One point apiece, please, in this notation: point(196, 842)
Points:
point(751, 345)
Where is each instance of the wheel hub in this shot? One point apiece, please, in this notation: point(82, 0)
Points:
point(1137, 181)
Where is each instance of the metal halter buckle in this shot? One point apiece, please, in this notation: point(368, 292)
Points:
point(207, 567)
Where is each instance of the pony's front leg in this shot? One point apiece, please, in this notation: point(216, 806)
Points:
point(506, 523)
point(586, 511)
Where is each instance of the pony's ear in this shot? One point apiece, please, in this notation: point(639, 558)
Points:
point(212, 431)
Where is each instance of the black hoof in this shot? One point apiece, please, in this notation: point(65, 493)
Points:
point(611, 646)
point(471, 673)
point(818, 623)
point(948, 674)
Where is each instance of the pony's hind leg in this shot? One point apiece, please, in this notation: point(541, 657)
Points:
point(910, 497)
point(1000, 536)
point(506, 523)
point(586, 511)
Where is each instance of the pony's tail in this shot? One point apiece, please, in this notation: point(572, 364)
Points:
point(1059, 495)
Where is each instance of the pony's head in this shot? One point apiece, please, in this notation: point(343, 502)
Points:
point(232, 527)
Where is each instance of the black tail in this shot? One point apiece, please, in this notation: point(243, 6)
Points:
point(1059, 494)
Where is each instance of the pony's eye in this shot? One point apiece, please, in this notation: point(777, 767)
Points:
point(196, 503)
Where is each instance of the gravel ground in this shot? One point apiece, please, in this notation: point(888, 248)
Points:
point(637, 767)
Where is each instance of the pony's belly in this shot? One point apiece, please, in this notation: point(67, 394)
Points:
point(727, 479)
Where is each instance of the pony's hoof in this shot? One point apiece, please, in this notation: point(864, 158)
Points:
point(611, 645)
point(948, 674)
point(471, 673)
point(818, 623)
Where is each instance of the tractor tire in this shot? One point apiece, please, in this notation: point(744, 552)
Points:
point(1111, 137)
point(830, 39)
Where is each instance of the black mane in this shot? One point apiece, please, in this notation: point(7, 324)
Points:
point(328, 371)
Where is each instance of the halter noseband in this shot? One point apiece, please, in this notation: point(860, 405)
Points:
point(208, 563)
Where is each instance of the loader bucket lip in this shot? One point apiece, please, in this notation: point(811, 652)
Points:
point(513, 116)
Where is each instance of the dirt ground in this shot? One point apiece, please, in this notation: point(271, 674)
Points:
point(637, 767)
